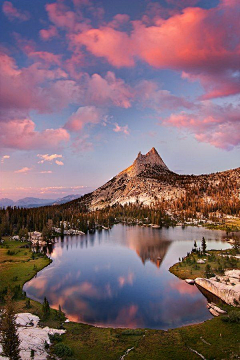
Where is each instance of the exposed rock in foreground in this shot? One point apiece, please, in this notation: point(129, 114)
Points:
point(226, 287)
point(32, 337)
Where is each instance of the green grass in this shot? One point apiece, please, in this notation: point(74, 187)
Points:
point(17, 265)
point(189, 269)
point(88, 342)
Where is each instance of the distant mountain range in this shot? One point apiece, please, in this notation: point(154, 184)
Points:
point(29, 202)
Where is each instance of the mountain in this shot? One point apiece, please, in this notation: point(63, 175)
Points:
point(30, 202)
point(66, 199)
point(4, 202)
point(149, 181)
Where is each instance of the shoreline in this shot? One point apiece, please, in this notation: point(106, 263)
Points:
point(110, 343)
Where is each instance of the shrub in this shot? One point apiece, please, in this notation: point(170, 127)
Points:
point(232, 317)
point(55, 337)
point(61, 350)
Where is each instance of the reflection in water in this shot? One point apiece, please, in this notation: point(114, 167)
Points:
point(120, 277)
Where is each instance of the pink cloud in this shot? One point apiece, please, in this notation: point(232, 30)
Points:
point(66, 19)
point(60, 163)
point(21, 134)
point(13, 13)
point(48, 34)
point(35, 87)
point(108, 91)
point(46, 172)
point(82, 143)
point(216, 125)
point(4, 157)
point(191, 41)
point(24, 170)
point(119, 20)
point(58, 13)
point(50, 158)
point(47, 58)
point(149, 95)
point(83, 116)
point(124, 129)
point(115, 46)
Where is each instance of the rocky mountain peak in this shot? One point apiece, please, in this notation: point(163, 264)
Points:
point(152, 158)
point(143, 163)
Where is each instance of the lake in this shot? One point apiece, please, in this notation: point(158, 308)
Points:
point(120, 277)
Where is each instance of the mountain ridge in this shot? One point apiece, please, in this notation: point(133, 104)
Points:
point(29, 202)
point(149, 181)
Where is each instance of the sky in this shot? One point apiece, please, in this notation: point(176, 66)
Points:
point(85, 85)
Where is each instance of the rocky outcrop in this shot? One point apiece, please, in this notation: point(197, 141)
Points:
point(32, 337)
point(215, 310)
point(226, 287)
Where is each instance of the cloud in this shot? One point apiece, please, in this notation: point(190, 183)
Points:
point(21, 134)
point(45, 172)
point(108, 91)
point(4, 157)
point(190, 41)
point(106, 42)
point(13, 13)
point(58, 162)
point(124, 129)
point(48, 34)
point(82, 143)
point(149, 95)
point(50, 158)
point(43, 86)
point(213, 124)
point(83, 116)
point(24, 170)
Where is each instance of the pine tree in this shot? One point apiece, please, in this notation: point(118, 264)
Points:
point(45, 308)
point(9, 336)
point(204, 245)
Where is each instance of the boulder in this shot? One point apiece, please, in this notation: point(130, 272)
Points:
point(190, 281)
point(226, 287)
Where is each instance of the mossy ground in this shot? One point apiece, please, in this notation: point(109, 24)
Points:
point(89, 342)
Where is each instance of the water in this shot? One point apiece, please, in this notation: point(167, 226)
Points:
point(120, 278)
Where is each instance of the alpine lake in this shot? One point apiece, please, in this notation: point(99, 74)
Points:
point(120, 277)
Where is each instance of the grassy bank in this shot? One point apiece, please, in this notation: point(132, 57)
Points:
point(87, 342)
point(218, 260)
point(18, 264)
point(228, 225)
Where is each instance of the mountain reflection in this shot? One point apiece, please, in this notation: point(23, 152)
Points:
point(118, 278)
